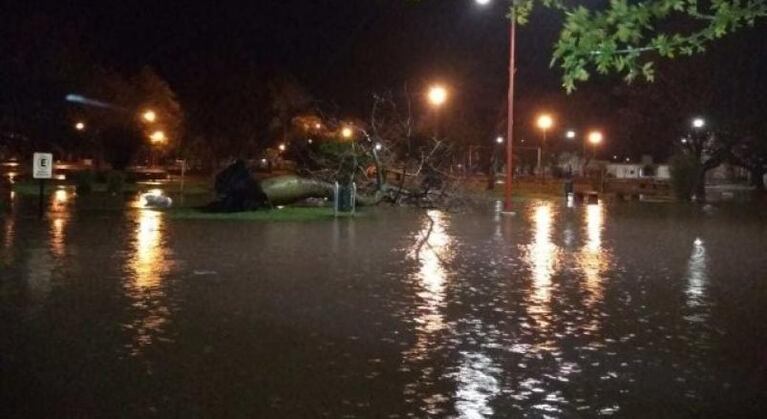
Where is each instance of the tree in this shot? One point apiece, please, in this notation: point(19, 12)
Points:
point(124, 101)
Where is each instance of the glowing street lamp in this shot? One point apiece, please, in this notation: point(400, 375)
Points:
point(570, 135)
point(437, 95)
point(698, 123)
point(499, 140)
point(80, 126)
point(347, 132)
point(595, 138)
point(282, 147)
point(158, 137)
point(545, 122)
point(149, 116)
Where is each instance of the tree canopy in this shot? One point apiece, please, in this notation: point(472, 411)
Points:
point(627, 37)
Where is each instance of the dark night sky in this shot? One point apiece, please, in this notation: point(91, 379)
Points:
point(340, 50)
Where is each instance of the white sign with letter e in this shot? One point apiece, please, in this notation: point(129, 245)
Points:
point(42, 167)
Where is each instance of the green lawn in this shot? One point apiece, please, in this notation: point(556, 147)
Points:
point(284, 214)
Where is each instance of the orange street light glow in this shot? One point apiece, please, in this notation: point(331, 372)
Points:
point(347, 132)
point(596, 137)
point(149, 116)
point(157, 137)
point(545, 122)
point(437, 95)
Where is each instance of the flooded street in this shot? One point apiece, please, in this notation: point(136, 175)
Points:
point(625, 310)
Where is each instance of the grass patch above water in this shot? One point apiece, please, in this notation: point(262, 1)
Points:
point(284, 214)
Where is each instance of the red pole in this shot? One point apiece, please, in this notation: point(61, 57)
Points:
point(510, 133)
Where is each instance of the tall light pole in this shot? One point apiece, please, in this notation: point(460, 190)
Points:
point(595, 138)
point(437, 96)
point(545, 122)
point(507, 206)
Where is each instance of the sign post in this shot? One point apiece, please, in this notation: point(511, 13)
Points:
point(42, 169)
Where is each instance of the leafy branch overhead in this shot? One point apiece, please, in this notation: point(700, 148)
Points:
point(626, 37)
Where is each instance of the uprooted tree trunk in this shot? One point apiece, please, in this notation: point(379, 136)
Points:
point(237, 189)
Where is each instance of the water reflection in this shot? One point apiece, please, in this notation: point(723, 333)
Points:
point(696, 274)
point(431, 248)
point(477, 385)
point(432, 245)
point(542, 257)
point(60, 215)
point(148, 265)
point(147, 262)
point(593, 259)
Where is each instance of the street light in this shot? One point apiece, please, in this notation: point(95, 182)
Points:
point(499, 140)
point(595, 138)
point(80, 126)
point(545, 122)
point(347, 132)
point(698, 123)
point(282, 147)
point(507, 207)
point(437, 95)
point(570, 135)
point(158, 137)
point(149, 116)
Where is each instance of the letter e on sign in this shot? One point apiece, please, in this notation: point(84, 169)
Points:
point(42, 166)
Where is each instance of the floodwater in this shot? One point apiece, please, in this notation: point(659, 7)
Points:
point(629, 310)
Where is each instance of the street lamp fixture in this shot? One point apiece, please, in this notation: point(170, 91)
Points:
point(149, 116)
point(282, 147)
point(570, 135)
point(545, 122)
point(379, 146)
point(482, 2)
point(80, 126)
point(596, 138)
point(158, 137)
point(698, 123)
point(437, 95)
point(499, 140)
point(347, 132)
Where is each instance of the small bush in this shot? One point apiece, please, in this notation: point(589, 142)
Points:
point(115, 182)
point(84, 181)
point(684, 171)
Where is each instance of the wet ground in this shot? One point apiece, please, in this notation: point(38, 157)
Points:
point(629, 310)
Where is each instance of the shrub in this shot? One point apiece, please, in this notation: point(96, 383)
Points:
point(115, 182)
point(84, 181)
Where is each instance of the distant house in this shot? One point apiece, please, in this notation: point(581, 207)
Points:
point(638, 171)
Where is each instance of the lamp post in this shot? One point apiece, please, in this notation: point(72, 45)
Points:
point(437, 96)
point(595, 138)
point(545, 122)
point(507, 207)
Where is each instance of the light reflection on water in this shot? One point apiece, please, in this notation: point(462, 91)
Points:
point(477, 385)
point(430, 250)
point(542, 257)
point(696, 274)
point(148, 264)
point(593, 258)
